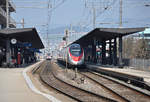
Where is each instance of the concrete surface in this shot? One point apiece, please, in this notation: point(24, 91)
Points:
point(13, 87)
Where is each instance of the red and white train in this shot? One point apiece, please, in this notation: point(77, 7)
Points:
point(73, 54)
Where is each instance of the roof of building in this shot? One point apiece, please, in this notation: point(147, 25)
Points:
point(29, 35)
point(146, 31)
point(107, 34)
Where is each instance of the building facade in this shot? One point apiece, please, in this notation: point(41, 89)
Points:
point(3, 14)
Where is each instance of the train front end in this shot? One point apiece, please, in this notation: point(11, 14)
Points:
point(76, 55)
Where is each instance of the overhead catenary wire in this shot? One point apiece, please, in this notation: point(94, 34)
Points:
point(52, 5)
point(97, 7)
point(128, 4)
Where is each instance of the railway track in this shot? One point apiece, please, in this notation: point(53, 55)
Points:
point(48, 76)
point(120, 91)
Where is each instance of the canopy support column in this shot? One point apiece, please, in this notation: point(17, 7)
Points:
point(104, 52)
point(8, 49)
point(115, 53)
point(110, 52)
point(94, 51)
point(120, 52)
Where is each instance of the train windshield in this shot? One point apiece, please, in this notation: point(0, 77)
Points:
point(75, 50)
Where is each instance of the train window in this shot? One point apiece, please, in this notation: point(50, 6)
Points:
point(75, 51)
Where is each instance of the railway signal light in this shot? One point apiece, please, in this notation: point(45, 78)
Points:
point(67, 32)
point(64, 38)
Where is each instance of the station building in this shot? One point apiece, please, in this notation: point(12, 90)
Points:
point(142, 35)
point(3, 14)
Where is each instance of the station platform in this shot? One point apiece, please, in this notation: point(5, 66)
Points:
point(123, 72)
point(13, 87)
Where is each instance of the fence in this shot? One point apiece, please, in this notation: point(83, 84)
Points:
point(140, 64)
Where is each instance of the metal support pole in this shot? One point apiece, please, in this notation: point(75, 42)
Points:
point(103, 52)
point(94, 50)
point(67, 36)
point(76, 70)
point(94, 17)
point(120, 52)
point(7, 13)
point(22, 23)
point(120, 14)
point(115, 53)
point(8, 51)
point(66, 59)
point(70, 29)
point(110, 53)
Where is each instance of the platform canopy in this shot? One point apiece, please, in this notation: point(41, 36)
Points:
point(107, 33)
point(24, 35)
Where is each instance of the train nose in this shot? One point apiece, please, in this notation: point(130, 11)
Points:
point(76, 58)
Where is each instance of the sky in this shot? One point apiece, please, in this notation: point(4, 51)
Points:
point(74, 12)
point(135, 14)
point(66, 13)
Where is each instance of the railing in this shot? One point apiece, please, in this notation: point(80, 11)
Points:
point(12, 21)
point(2, 12)
point(12, 4)
point(140, 64)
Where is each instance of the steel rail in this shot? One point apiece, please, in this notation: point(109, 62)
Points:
point(74, 92)
point(117, 85)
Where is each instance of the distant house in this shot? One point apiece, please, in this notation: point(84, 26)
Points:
point(142, 35)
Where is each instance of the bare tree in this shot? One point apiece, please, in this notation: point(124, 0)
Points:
point(141, 49)
point(128, 44)
point(135, 48)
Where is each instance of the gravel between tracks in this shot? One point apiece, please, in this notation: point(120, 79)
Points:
point(67, 89)
point(69, 77)
point(122, 90)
